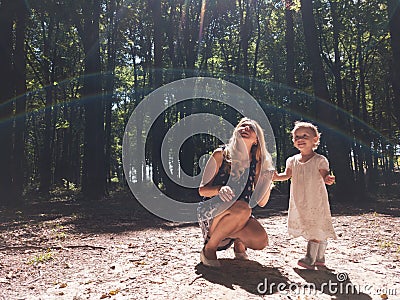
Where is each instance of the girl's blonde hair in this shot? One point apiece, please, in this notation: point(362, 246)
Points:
point(310, 126)
point(238, 159)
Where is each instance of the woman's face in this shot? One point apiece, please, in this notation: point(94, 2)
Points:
point(247, 132)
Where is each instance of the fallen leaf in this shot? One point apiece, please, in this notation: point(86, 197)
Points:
point(63, 285)
point(113, 292)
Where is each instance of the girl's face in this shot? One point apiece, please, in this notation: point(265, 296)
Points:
point(247, 132)
point(304, 139)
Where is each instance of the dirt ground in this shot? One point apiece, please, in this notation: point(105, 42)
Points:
point(115, 249)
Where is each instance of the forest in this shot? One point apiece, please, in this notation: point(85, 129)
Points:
point(73, 71)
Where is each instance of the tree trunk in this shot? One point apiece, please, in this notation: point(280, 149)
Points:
point(326, 115)
point(110, 81)
point(20, 105)
point(394, 27)
point(94, 179)
point(290, 59)
point(257, 48)
point(46, 152)
point(6, 103)
point(289, 43)
point(155, 7)
point(343, 121)
point(245, 34)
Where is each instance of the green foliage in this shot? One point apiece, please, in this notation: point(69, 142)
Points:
point(241, 41)
point(41, 257)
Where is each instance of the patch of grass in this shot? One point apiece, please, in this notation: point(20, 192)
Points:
point(60, 234)
point(41, 257)
point(385, 244)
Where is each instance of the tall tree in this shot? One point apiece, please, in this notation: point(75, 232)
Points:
point(50, 30)
point(190, 32)
point(7, 89)
point(157, 22)
point(326, 115)
point(155, 6)
point(336, 67)
point(245, 33)
point(113, 7)
point(289, 43)
point(20, 105)
point(94, 178)
point(394, 27)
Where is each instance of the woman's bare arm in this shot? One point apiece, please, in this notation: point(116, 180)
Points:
point(206, 188)
point(263, 185)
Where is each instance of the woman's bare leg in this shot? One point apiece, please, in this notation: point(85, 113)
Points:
point(226, 225)
point(252, 235)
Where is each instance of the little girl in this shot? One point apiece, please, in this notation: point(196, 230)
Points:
point(309, 213)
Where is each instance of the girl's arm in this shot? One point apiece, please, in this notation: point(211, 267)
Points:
point(328, 179)
point(287, 174)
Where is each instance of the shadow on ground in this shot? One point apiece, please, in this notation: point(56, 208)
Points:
point(337, 285)
point(248, 275)
point(121, 212)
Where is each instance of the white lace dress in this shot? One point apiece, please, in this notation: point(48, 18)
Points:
point(309, 212)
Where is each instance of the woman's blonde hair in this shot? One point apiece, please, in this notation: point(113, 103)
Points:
point(238, 159)
point(310, 126)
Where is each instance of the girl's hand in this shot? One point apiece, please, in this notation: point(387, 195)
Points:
point(275, 176)
point(226, 193)
point(329, 179)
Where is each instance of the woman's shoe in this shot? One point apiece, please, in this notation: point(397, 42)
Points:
point(241, 256)
point(209, 262)
point(240, 250)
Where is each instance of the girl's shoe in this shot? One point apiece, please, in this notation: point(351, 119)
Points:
point(305, 262)
point(320, 259)
point(214, 263)
point(309, 260)
point(241, 256)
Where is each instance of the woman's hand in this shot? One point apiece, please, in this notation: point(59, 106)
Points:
point(226, 193)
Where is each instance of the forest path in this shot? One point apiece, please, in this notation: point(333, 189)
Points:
point(114, 249)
